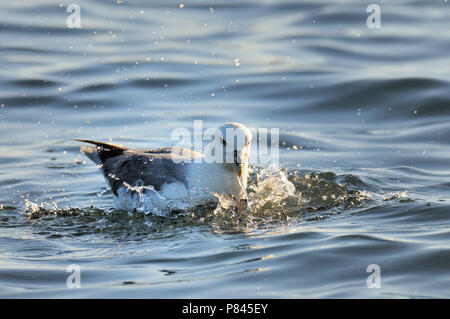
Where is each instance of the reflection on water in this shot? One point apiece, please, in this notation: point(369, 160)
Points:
point(364, 134)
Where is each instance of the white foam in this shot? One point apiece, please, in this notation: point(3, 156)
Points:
point(146, 199)
point(175, 190)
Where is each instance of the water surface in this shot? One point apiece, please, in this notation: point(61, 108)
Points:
point(364, 119)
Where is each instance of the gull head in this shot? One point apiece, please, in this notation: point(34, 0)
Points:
point(236, 141)
point(224, 169)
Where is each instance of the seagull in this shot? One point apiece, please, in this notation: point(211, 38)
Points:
point(175, 178)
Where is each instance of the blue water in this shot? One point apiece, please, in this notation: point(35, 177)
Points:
point(364, 120)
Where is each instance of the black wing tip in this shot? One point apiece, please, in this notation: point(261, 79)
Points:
point(102, 144)
point(82, 140)
point(89, 141)
point(105, 150)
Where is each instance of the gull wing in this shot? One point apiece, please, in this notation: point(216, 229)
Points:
point(154, 167)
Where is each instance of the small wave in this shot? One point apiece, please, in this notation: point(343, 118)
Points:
point(34, 83)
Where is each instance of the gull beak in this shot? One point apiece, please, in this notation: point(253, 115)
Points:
point(237, 164)
point(237, 160)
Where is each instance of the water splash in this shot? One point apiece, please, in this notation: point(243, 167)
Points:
point(271, 197)
point(272, 186)
point(147, 200)
point(274, 196)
